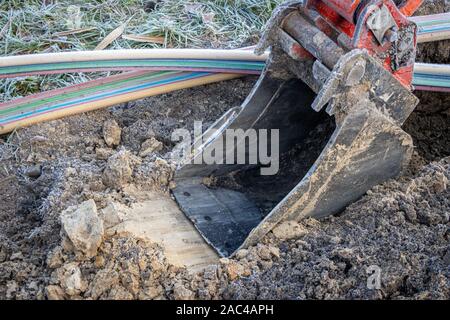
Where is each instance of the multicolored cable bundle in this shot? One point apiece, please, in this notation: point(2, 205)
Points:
point(157, 71)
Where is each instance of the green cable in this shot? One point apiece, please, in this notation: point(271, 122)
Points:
point(423, 80)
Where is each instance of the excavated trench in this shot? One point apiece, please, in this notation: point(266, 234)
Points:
point(429, 126)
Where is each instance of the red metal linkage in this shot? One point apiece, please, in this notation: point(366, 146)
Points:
point(345, 8)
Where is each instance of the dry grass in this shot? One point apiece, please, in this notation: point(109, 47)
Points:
point(31, 26)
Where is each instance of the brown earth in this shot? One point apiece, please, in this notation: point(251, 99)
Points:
point(400, 228)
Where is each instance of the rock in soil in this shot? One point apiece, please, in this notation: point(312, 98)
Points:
point(119, 169)
point(289, 230)
point(150, 146)
point(34, 171)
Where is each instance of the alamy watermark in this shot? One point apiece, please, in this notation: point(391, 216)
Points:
point(229, 146)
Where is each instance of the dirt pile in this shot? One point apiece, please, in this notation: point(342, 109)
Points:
point(130, 268)
point(101, 156)
point(124, 268)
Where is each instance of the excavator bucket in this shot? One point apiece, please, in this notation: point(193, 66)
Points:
point(327, 109)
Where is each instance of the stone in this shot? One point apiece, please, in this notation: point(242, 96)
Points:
point(33, 286)
point(11, 289)
point(211, 272)
point(162, 171)
point(111, 133)
point(263, 252)
point(266, 264)
point(103, 282)
point(119, 293)
point(275, 251)
point(150, 146)
point(289, 230)
point(16, 256)
point(153, 292)
point(99, 262)
point(241, 254)
point(83, 227)
point(440, 182)
point(103, 153)
point(112, 215)
point(344, 253)
point(235, 270)
point(70, 172)
point(54, 258)
point(39, 139)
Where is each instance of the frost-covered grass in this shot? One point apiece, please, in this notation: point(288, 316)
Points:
point(32, 26)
